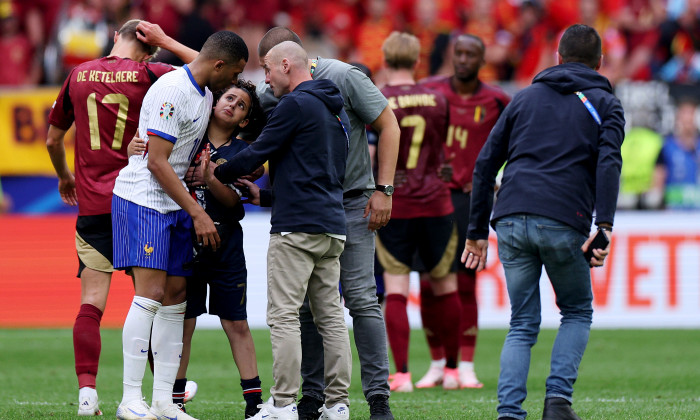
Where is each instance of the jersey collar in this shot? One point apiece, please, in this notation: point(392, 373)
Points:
point(194, 82)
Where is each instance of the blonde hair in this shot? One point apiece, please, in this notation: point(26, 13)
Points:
point(401, 50)
point(128, 31)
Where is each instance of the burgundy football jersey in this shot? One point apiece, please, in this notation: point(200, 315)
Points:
point(471, 121)
point(422, 115)
point(103, 97)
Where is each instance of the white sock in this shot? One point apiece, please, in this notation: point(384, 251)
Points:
point(466, 365)
point(135, 338)
point(87, 392)
point(440, 363)
point(167, 350)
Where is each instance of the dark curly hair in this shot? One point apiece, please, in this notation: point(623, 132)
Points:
point(256, 116)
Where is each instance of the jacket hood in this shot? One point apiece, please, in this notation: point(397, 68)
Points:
point(571, 77)
point(326, 91)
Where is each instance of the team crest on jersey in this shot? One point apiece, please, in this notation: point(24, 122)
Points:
point(221, 161)
point(148, 249)
point(479, 113)
point(166, 110)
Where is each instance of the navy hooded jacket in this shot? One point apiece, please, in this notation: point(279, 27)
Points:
point(307, 147)
point(561, 163)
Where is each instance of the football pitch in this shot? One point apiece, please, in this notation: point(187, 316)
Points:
point(625, 374)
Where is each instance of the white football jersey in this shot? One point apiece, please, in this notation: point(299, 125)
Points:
point(177, 110)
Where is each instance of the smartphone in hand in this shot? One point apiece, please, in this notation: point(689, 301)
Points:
point(600, 241)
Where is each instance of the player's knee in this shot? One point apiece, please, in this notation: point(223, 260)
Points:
point(236, 328)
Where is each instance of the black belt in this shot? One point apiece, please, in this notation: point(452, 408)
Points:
point(353, 193)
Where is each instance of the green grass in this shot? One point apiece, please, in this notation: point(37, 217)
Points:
point(625, 374)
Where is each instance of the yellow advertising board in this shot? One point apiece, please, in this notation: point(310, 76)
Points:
point(24, 115)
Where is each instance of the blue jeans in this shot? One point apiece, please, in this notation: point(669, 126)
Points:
point(359, 290)
point(525, 243)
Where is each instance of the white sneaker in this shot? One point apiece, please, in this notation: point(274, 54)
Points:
point(88, 406)
point(268, 411)
point(467, 378)
point(190, 391)
point(134, 410)
point(432, 378)
point(169, 411)
point(339, 411)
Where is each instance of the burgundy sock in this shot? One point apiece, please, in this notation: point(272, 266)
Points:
point(397, 329)
point(430, 315)
point(469, 324)
point(87, 344)
point(450, 310)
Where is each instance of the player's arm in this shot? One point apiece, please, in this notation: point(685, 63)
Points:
point(379, 204)
point(57, 153)
point(154, 35)
point(159, 151)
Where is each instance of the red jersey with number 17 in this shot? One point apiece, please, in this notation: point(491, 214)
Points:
point(471, 121)
point(103, 97)
point(422, 115)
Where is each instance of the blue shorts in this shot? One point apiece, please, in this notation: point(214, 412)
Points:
point(225, 273)
point(143, 237)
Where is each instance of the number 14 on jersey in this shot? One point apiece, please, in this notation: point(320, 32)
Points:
point(457, 133)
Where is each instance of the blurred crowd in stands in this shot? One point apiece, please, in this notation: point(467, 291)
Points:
point(643, 40)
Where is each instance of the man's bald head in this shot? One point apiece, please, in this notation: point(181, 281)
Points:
point(291, 51)
point(276, 36)
point(286, 66)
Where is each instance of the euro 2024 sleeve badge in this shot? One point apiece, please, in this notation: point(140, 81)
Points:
point(167, 110)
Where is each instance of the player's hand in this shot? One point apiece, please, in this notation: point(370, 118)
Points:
point(150, 33)
point(475, 253)
point(253, 196)
point(193, 176)
point(445, 170)
point(598, 254)
point(66, 187)
point(206, 230)
point(379, 209)
point(255, 175)
point(137, 146)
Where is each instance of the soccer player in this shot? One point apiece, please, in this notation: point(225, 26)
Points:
point(153, 213)
point(103, 97)
point(421, 217)
point(474, 109)
point(367, 208)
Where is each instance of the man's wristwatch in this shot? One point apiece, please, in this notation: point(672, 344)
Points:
point(386, 189)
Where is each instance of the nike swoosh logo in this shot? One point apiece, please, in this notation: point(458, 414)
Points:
point(138, 414)
point(266, 416)
point(144, 351)
point(196, 119)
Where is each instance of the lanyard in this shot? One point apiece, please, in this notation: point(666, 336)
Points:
point(589, 107)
